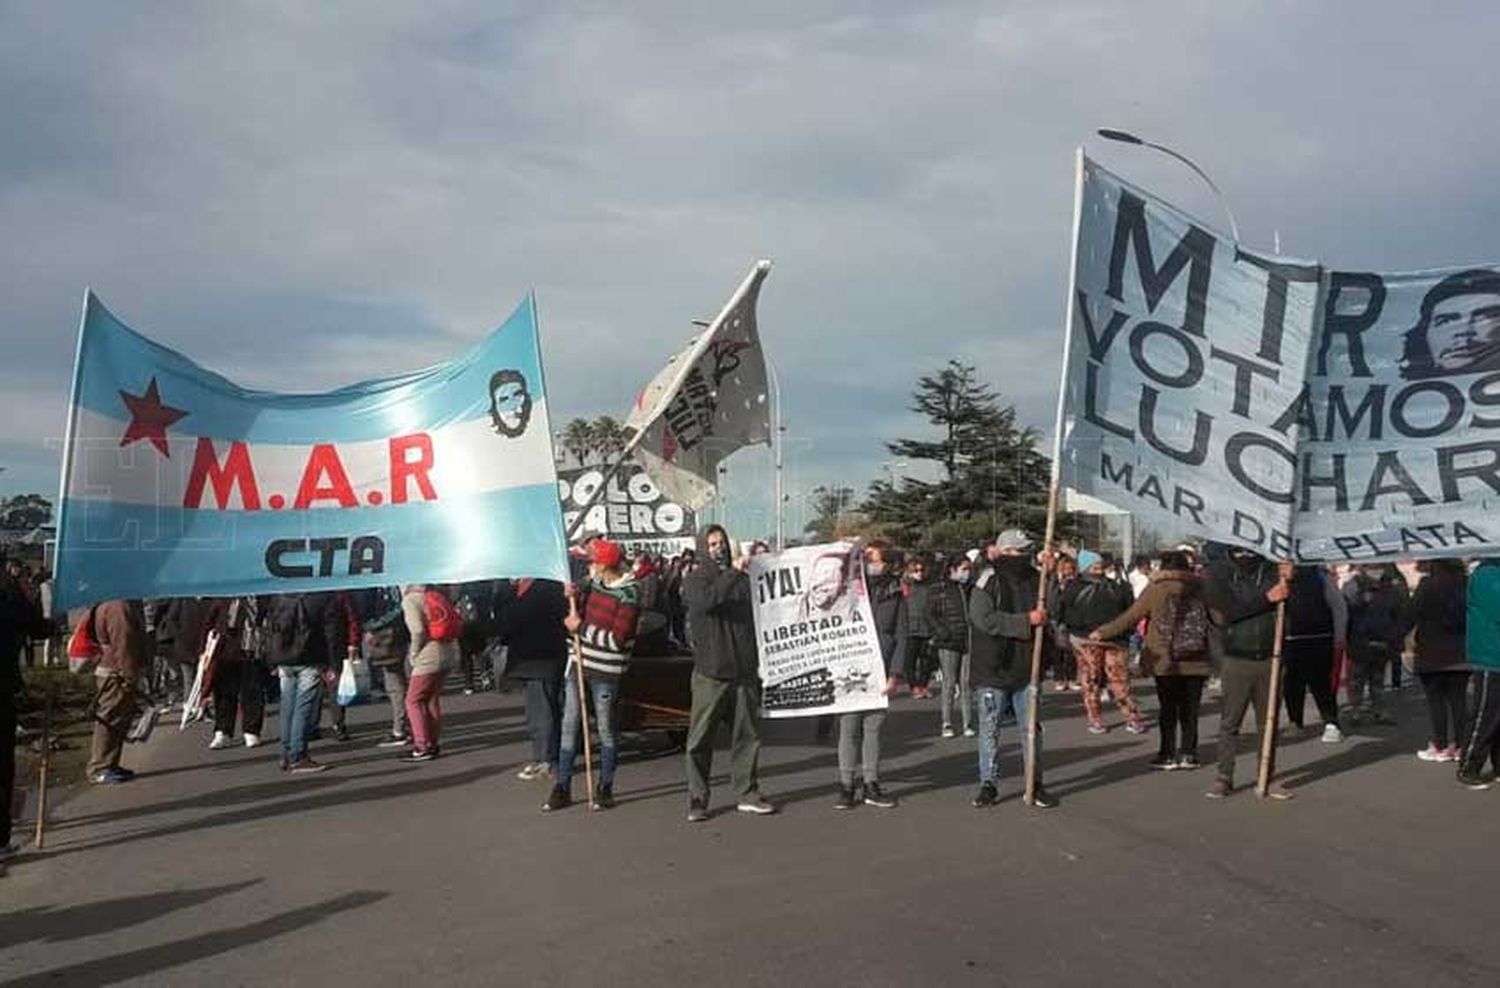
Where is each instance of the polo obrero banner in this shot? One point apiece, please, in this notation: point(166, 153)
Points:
point(178, 482)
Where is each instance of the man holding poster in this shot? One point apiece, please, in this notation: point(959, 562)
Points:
point(725, 680)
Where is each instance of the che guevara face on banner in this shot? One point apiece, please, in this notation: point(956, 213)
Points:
point(510, 403)
point(1458, 330)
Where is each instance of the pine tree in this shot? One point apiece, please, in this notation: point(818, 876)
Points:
point(992, 474)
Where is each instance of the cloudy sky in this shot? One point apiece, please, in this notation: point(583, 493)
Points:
point(304, 194)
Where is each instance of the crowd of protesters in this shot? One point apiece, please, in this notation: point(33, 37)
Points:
point(957, 627)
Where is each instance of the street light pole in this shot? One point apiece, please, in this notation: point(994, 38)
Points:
point(1125, 137)
point(778, 440)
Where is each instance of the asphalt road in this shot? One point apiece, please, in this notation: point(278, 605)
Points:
point(214, 869)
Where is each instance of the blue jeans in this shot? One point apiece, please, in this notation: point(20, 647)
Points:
point(301, 700)
point(603, 691)
point(543, 712)
point(990, 704)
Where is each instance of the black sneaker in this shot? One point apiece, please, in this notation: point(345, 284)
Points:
point(988, 796)
point(1042, 800)
point(1473, 781)
point(1164, 763)
point(560, 799)
point(697, 811)
point(341, 732)
point(604, 798)
point(875, 796)
point(846, 800)
point(419, 755)
point(306, 767)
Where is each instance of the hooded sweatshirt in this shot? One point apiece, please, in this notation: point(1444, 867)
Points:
point(721, 614)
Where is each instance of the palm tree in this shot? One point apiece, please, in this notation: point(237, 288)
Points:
point(578, 439)
point(610, 437)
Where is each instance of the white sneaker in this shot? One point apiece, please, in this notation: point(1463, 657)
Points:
point(221, 740)
point(1431, 754)
point(969, 732)
point(252, 740)
point(948, 732)
point(1332, 734)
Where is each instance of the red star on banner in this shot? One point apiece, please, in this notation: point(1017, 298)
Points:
point(149, 418)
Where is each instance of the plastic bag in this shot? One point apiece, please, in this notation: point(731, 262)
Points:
point(194, 707)
point(354, 683)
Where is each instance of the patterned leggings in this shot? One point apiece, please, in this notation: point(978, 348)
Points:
point(1098, 661)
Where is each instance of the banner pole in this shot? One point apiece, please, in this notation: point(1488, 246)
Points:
point(1033, 708)
point(583, 705)
point(42, 769)
point(1269, 730)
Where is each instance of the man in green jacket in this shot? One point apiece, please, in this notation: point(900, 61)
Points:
point(1483, 641)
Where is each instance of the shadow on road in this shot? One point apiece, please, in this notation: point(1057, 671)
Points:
point(148, 960)
point(408, 783)
point(46, 924)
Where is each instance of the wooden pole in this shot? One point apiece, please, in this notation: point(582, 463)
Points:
point(1033, 708)
point(41, 783)
point(583, 705)
point(1273, 709)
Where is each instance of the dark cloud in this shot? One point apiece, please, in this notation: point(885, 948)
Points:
point(361, 188)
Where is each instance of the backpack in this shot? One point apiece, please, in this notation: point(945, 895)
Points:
point(443, 622)
point(84, 651)
point(1187, 617)
point(288, 630)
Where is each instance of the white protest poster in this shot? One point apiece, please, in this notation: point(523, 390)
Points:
point(1185, 353)
point(1400, 421)
point(816, 632)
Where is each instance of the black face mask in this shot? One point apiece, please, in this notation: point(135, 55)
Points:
point(722, 556)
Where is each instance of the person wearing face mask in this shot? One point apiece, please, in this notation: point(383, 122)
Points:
point(1244, 588)
point(859, 732)
point(948, 605)
point(608, 614)
point(1003, 614)
point(726, 675)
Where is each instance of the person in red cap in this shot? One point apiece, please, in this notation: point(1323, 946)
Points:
point(608, 613)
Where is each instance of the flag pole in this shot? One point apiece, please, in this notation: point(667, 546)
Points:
point(1033, 708)
point(1266, 771)
point(1267, 768)
point(583, 705)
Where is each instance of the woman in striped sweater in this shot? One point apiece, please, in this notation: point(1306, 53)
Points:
point(608, 610)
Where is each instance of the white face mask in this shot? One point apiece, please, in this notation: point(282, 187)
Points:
point(874, 569)
point(962, 576)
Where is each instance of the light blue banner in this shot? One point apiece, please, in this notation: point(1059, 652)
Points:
point(178, 482)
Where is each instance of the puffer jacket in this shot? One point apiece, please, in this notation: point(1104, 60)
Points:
point(892, 622)
point(948, 616)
